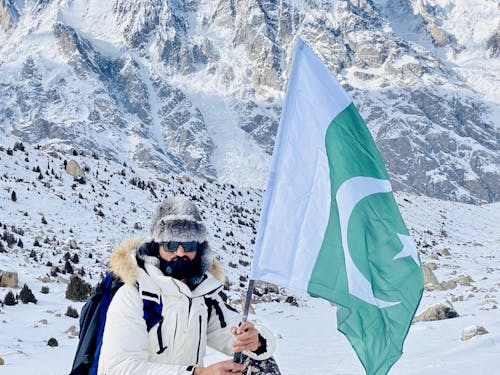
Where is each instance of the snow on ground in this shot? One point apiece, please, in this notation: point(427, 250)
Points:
point(308, 342)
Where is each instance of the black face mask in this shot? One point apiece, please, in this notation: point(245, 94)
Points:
point(181, 268)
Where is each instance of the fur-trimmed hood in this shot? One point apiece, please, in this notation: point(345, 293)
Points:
point(123, 261)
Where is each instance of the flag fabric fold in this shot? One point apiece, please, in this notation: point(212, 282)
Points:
point(329, 223)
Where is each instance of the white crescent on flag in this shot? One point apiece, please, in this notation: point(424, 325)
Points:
point(349, 194)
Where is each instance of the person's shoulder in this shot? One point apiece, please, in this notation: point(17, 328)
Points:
point(217, 271)
point(209, 285)
point(127, 294)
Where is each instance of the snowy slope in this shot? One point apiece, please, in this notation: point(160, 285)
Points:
point(307, 338)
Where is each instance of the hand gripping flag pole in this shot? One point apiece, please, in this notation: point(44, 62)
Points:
point(238, 356)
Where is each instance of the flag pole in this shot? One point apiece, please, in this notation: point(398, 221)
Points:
point(238, 356)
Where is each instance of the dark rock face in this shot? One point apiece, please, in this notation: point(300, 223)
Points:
point(493, 44)
point(432, 153)
point(136, 95)
point(9, 15)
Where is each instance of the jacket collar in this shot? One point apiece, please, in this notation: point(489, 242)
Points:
point(151, 279)
point(123, 263)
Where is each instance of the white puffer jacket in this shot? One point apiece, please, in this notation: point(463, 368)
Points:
point(189, 321)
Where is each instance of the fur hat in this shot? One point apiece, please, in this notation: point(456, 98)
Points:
point(177, 219)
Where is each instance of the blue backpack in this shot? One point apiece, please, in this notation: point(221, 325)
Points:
point(93, 320)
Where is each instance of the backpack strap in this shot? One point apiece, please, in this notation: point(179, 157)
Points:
point(109, 290)
point(152, 306)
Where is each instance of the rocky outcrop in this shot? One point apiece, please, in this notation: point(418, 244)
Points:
point(74, 169)
point(9, 279)
point(473, 331)
point(493, 44)
point(9, 15)
point(428, 275)
point(439, 311)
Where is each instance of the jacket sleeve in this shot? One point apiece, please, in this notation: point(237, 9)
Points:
point(125, 340)
point(221, 318)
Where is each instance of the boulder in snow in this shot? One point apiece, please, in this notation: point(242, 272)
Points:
point(74, 169)
point(447, 285)
point(9, 279)
point(439, 311)
point(472, 331)
point(429, 277)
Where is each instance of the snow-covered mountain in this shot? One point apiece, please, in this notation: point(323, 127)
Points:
point(54, 225)
point(196, 87)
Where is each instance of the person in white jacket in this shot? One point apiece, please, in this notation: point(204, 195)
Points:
point(171, 305)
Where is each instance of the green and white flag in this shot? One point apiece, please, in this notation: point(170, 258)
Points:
point(329, 223)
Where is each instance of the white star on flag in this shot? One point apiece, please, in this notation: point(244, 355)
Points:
point(409, 249)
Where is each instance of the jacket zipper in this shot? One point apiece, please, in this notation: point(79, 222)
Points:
point(176, 322)
point(160, 339)
point(199, 341)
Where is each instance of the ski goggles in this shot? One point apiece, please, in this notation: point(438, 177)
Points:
point(188, 246)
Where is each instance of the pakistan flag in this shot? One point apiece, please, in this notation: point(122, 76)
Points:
point(329, 223)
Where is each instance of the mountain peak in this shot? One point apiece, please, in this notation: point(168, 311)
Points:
point(197, 87)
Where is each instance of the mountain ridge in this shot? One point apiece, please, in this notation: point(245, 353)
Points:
point(130, 80)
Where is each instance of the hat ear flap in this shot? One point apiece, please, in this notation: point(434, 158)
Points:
point(151, 249)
